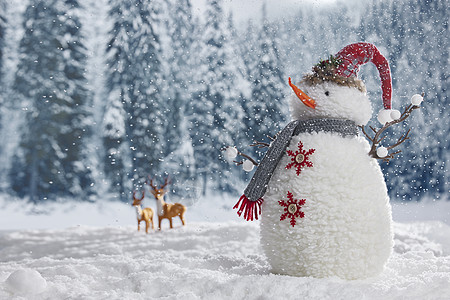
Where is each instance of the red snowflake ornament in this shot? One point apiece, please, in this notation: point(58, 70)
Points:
point(300, 158)
point(292, 208)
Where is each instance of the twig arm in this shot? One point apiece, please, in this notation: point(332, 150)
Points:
point(377, 138)
point(247, 157)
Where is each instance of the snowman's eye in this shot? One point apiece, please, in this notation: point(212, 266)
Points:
point(327, 93)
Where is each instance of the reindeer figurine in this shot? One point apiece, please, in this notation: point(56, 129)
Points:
point(145, 214)
point(166, 210)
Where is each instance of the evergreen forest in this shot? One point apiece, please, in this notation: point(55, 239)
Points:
point(99, 95)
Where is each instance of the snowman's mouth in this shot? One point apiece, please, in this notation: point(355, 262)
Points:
point(302, 95)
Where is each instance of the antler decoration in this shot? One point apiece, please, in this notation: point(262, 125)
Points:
point(378, 138)
point(166, 182)
point(150, 182)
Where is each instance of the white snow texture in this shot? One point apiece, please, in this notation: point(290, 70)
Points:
point(25, 281)
point(207, 261)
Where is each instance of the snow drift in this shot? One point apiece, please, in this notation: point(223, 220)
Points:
point(93, 251)
point(204, 260)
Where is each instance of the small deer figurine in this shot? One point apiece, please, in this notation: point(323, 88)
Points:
point(145, 214)
point(166, 210)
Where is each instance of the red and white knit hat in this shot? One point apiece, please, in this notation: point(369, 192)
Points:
point(354, 55)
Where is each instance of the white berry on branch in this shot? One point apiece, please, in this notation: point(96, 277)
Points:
point(247, 166)
point(395, 114)
point(382, 152)
point(231, 153)
point(416, 99)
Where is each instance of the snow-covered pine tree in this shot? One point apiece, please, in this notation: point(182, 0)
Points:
point(247, 43)
point(135, 77)
point(50, 80)
point(267, 109)
point(180, 29)
point(178, 152)
point(214, 113)
point(96, 26)
point(3, 21)
point(199, 113)
point(114, 143)
point(2, 37)
point(243, 89)
point(115, 118)
point(2, 47)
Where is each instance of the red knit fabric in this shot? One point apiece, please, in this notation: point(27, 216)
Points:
point(358, 54)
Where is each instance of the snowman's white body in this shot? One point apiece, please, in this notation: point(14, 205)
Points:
point(346, 228)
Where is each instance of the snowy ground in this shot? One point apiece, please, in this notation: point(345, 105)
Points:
point(89, 251)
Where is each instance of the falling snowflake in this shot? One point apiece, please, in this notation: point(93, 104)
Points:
point(300, 158)
point(292, 208)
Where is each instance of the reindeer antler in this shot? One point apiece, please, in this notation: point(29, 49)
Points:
point(378, 138)
point(150, 182)
point(166, 182)
point(154, 187)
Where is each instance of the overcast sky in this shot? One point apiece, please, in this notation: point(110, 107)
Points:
point(251, 9)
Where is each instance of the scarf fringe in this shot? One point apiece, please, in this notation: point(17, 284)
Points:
point(251, 209)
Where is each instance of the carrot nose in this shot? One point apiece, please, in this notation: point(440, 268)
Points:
point(302, 96)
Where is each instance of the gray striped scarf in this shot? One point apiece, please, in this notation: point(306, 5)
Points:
point(250, 202)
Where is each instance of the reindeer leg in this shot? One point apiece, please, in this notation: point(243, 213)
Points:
point(159, 222)
point(153, 225)
point(139, 225)
point(146, 226)
point(182, 219)
point(170, 220)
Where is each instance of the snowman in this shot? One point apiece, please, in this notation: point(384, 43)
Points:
point(323, 200)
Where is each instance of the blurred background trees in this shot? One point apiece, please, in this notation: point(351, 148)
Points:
point(98, 95)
